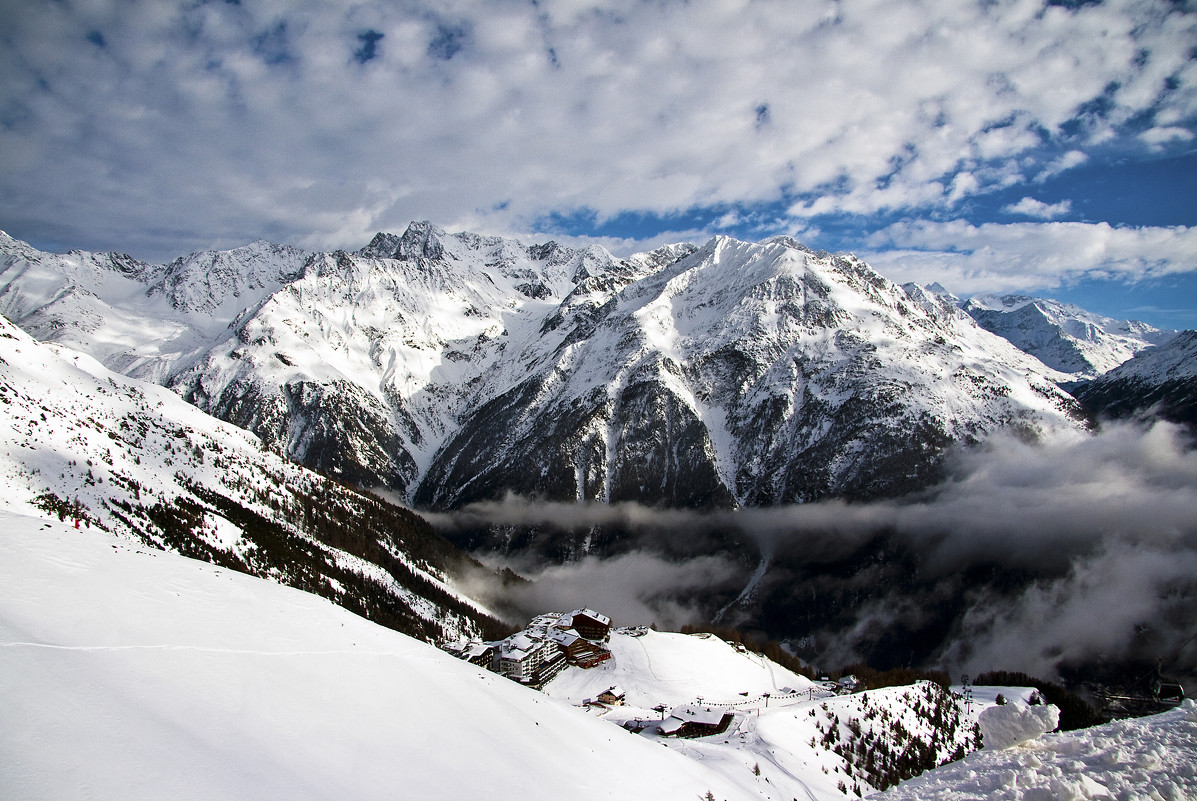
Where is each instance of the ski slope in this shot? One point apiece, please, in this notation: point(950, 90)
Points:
point(133, 673)
point(137, 674)
point(668, 668)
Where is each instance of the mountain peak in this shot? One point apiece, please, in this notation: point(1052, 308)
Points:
point(421, 238)
point(382, 246)
point(787, 241)
point(1063, 336)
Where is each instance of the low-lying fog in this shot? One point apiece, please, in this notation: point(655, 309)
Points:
point(1072, 550)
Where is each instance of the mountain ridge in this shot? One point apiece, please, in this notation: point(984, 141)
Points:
point(1064, 336)
point(1159, 381)
point(131, 458)
point(457, 367)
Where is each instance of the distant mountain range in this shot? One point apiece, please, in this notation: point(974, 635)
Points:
point(452, 368)
point(1160, 381)
point(1063, 336)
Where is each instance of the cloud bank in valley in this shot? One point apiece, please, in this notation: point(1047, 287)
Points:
point(1101, 526)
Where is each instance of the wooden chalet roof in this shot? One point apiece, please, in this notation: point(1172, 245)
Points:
point(597, 617)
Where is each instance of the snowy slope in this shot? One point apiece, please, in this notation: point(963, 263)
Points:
point(132, 458)
point(1063, 336)
point(804, 744)
point(163, 677)
point(1158, 381)
point(788, 737)
point(1153, 757)
point(136, 674)
point(665, 667)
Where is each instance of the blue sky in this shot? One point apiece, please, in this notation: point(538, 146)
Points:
point(1010, 146)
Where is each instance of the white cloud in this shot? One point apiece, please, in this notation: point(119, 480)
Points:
point(217, 123)
point(970, 258)
point(1030, 207)
point(1166, 134)
point(1073, 158)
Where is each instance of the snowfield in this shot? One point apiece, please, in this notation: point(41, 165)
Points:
point(132, 673)
point(137, 674)
point(1126, 760)
point(669, 668)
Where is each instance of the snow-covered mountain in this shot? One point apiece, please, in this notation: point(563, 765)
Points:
point(139, 319)
point(1065, 337)
point(1160, 381)
point(453, 368)
point(746, 374)
point(131, 458)
point(1144, 757)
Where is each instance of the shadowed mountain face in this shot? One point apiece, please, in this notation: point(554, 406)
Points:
point(1159, 382)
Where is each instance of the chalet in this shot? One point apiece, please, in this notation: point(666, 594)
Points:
point(694, 721)
point(612, 697)
point(479, 653)
point(578, 651)
point(591, 624)
point(473, 651)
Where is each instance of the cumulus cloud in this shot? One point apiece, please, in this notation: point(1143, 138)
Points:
point(1030, 207)
point(1065, 162)
point(156, 126)
point(1099, 527)
point(994, 258)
